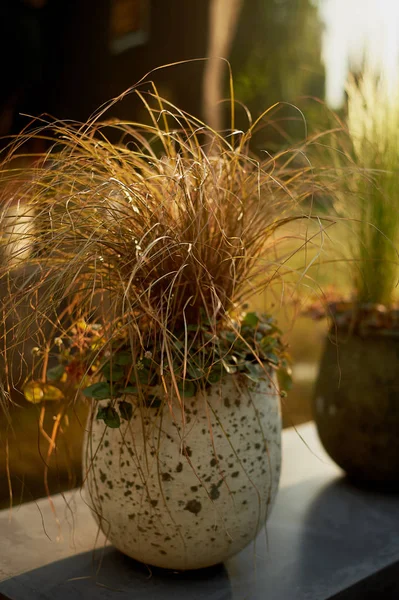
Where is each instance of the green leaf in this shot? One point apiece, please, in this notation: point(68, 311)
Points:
point(153, 401)
point(240, 354)
point(102, 412)
point(268, 343)
point(187, 388)
point(251, 319)
point(194, 371)
point(265, 328)
point(273, 358)
point(123, 358)
point(285, 378)
point(144, 376)
point(253, 371)
point(112, 372)
point(55, 373)
point(126, 410)
point(216, 374)
point(130, 389)
point(231, 336)
point(204, 317)
point(109, 415)
point(98, 391)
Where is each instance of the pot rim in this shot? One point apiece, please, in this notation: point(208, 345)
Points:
point(363, 319)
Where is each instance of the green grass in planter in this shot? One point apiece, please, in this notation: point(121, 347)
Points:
point(373, 123)
point(363, 156)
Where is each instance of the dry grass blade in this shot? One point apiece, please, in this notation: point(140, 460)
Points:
point(146, 237)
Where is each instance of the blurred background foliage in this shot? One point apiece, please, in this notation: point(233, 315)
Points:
point(276, 57)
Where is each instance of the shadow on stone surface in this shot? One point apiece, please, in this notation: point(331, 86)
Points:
point(345, 538)
point(381, 585)
point(106, 574)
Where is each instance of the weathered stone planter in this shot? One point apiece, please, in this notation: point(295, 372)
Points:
point(187, 495)
point(356, 406)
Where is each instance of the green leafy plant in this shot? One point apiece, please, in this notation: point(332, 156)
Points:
point(244, 348)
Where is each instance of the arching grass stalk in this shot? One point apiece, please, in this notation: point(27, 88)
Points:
point(150, 246)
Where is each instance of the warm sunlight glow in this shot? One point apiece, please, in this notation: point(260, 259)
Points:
point(357, 29)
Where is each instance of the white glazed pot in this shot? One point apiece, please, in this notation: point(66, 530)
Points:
point(192, 494)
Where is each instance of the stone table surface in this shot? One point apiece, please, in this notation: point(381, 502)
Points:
point(323, 536)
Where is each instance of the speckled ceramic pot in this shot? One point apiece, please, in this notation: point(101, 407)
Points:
point(356, 406)
point(188, 495)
